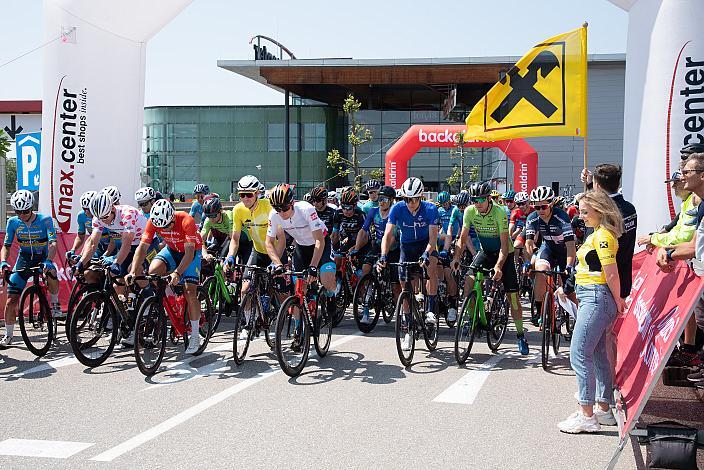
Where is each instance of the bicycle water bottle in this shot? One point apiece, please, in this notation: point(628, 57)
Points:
point(175, 304)
point(312, 302)
point(265, 303)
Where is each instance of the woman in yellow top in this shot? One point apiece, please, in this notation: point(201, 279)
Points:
point(598, 291)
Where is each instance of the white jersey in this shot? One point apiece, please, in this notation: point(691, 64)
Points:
point(127, 220)
point(300, 225)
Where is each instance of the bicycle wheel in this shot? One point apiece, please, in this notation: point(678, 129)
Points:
point(218, 302)
point(430, 331)
point(205, 329)
point(76, 295)
point(149, 337)
point(556, 335)
point(270, 318)
point(497, 322)
point(36, 323)
point(323, 327)
point(292, 342)
point(404, 327)
point(94, 329)
point(365, 297)
point(546, 325)
point(342, 301)
point(466, 328)
point(244, 321)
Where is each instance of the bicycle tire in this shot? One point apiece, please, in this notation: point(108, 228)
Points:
point(240, 346)
point(342, 301)
point(557, 317)
point(270, 317)
point(497, 323)
point(93, 324)
point(73, 302)
point(285, 331)
point(218, 302)
point(149, 332)
point(386, 303)
point(322, 336)
point(40, 323)
point(205, 329)
point(466, 327)
point(401, 331)
point(430, 331)
point(545, 325)
point(368, 281)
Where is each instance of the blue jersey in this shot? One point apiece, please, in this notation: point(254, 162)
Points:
point(34, 238)
point(369, 205)
point(375, 226)
point(444, 216)
point(196, 210)
point(85, 224)
point(414, 228)
point(555, 232)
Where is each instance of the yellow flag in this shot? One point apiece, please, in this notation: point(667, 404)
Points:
point(544, 94)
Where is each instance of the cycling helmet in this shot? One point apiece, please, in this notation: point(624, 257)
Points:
point(495, 193)
point(521, 197)
point(145, 194)
point(22, 200)
point(262, 190)
point(319, 193)
point(509, 195)
point(463, 198)
point(412, 187)
point(306, 197)
point(399, 193)
point(281, 195)
point(688, 150)
point(453, 199)
point(480, 190)
point(162, 213)
point(212, 206)
point(443, 197)
point(201, 189)
point(349, 196)
point(542, 193)
point(85, 199)
point(113, 192)
point(372, 185)
point(559, 202)
point(101, 204)
point(387, 191)
point(248, 184)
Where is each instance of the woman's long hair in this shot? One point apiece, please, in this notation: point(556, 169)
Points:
point(600, 202)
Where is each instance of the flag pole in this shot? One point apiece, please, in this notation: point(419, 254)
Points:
point(585, 115)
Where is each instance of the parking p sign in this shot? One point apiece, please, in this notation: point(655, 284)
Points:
point(28, 153)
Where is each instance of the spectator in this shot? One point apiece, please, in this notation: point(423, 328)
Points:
point(600, 301)
point(172, 197)
point(182, 197)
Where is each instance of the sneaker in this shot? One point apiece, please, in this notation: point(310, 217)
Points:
point(430, 318)
point(697, 376)
point(577, 423)
point(605, 418)
point(523, 345)
point(129, 341)
point(296, 343)
point(451, 314)
point(406, 345)
point(365, 316)
point(193, 343)
point(5, 342)
point(535, 320)
point(685, 359)
point(56, 311)
point(244, 334)
point(700, 385)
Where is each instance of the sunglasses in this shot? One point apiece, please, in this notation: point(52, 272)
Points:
point(521, 203)
point(384, 199)
point(542, 207)
point(479, 199)
point(347, 207)
point(411, 199)
point(688, 172)
point(373, 191)
point(144, 204)
point(212, 216)
point(282, 208)
point(24, 212)
point(106, 217)
point(318, 200)
point(246, 195)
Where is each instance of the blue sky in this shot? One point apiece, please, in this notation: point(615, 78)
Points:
point(181, 59)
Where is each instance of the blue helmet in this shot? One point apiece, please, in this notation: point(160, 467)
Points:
point(510, 195)
point(443, 197)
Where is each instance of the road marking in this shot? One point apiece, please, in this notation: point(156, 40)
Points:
point(146, 436)
point(39, 448)
point(51, 365)
point(466, 389)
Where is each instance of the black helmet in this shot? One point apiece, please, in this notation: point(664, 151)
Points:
point(212, 206)
point(349, 196)
point(319, 193)
point(688, 150)
point(480, 190)
point(281, 195)
point(387, 191)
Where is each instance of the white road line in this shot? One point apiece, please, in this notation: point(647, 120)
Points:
point(55, 364)
point(38, 448)
point(466, 389)
point(146, 436)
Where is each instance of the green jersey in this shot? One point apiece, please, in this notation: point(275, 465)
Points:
point(489, 227)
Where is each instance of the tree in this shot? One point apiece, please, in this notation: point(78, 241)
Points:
point(358, 135)
point(10, 165)
point(462, 173)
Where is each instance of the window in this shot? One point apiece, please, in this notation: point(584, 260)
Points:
point(275, 137)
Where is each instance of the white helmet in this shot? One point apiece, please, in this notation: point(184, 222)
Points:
point(22, 200)
point(412, 187)
point(86, 198)
point(521, 197)
point(542, 193)
point(113, 192)
point(144, 194)
point(162, 213)
point(249, 184)
point(101, 204)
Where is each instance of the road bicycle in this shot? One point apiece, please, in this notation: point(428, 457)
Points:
point(552, 317)
point(222, 292)
point(151, 323)
point(347, 280)
point(302, 315)
point(373, 292)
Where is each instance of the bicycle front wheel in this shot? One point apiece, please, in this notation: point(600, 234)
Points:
point(36, 323)
point(205, 329)
point(149, 337)
point(342, 301)
point(556, 335)
point(466, 327)
point(546, 325)
point(405, 336)
point(365, 301)
point(244, 327)
point(497, 322)
point(218, 302)
point(94, 328)
point(323, 327)
point(292, 337)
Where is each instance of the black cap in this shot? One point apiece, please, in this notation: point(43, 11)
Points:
point(688, 150)
point(387, 191)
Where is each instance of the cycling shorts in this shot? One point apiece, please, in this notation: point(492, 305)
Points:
point(554, 259)
point(488, 260)
point(244, 250)
point(18, 280)
point(303, 254)
point(394, 255)
point(411, 252)
point(172, 258)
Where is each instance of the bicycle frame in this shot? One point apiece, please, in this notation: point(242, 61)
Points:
point(219, 289)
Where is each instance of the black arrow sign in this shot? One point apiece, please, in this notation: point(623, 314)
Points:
point(12, 131)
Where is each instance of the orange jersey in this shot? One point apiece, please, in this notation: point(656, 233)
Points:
point(183, 231)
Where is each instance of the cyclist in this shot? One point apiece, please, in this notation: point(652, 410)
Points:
point(85, 228)
point(372, 187)
point(217, 229)
point(517, 224)
point(417, 221)
point(261, 194)
point(332, 200)
point(180, 257)
point(456, 220)
point(115, 237)
point(347, 222)
point(199, 193)
point(496, 252)
point(445, 212)
point(37, 240)
point(509, 201)
point(326, 212)
point(146, 197)
point(558, 248)
point(312, 252)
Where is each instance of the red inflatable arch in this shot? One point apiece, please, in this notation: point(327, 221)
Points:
point(523, 156)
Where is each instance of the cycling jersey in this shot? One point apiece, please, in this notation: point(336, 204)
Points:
point(416, 227)
point(127, 220)
point(348, 227)
point(327, 215)
point(456, 221)
point(683, 230)
point(518, 218)
point(597, 251)
point(85, 223)
point(300, 225)
point(489, 227)
point(221, 231)
point(255, 222)
point(375, 226)
point(196, 210)
point(369, 205)
point(555, 232)
point(183, 231)
point(33, 238)
point(444, 216)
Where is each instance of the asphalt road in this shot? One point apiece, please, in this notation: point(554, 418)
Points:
point(355, 408)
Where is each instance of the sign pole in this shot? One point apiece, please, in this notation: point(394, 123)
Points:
point(585, 103)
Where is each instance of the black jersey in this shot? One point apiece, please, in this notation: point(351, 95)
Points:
point(327, 215)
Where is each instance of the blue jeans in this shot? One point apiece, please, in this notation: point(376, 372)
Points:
point(588, 350)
